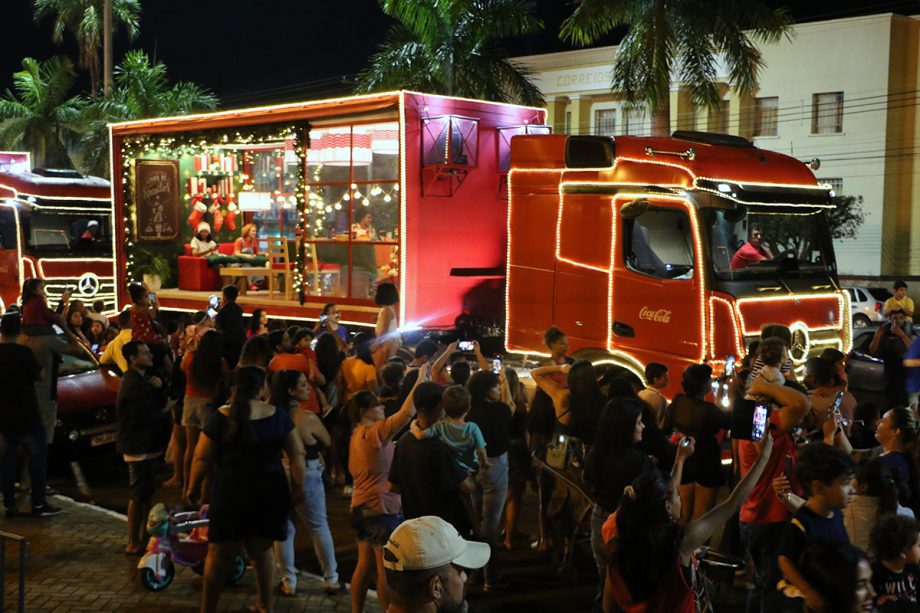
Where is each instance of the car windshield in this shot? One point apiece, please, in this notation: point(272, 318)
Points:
point(54, 231)
point(767, 240)
point(70, 364)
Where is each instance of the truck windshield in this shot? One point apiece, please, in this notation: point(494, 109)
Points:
point(767, 240)
point(85, 233)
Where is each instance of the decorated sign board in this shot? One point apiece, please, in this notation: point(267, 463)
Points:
point(156, 189)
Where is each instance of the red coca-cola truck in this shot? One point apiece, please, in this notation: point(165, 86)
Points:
point(673, 250)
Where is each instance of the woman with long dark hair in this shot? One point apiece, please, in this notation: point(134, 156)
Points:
point(842, 575)
point(578, 405)
point(250, 495)
point(290, 389)
point(204, 370)
point(258, 324)
point(651, 560)
point(520, 465)
point(692, 415)
point(256, 352)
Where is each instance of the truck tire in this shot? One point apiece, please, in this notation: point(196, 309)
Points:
point(861, 321)
point(601, 357)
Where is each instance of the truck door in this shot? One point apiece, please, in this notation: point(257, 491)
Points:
point(584, 237)
point(656, 281)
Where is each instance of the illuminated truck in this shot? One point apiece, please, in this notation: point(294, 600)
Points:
point(56, 225)
point(673, 250)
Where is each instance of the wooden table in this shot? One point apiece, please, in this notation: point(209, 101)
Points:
point(228, 274)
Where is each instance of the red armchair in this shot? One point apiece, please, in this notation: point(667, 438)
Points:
point(195, 274)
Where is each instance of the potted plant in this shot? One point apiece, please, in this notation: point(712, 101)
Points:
point(153, 267)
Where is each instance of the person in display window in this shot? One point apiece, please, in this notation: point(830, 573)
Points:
point(363, 229)
point(92, 233)
point(246, 246)
point(203, 244)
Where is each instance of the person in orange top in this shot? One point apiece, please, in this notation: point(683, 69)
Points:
point(358, 370)
point(288, 359)
point(246, 246)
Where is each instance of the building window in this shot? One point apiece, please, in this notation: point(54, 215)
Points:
point(835, 183)
point(605, 122)
point(718, 118)
point(634, 122)
point(567, 127)
point(765, 115)
point(827, 113)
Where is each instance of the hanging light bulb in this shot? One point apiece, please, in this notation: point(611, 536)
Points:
point(365, 202)
point(387, 198)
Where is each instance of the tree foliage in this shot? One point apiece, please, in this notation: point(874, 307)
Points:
point(140, 90)
point(83, 19)
point(844, 220)
point(39, 115)
point(680, 38)
point(451, 47)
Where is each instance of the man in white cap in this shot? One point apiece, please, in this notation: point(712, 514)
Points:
point(426, 561)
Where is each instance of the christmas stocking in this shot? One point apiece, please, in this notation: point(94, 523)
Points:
point(218, 218)
point(198, 211)
point(231, 212)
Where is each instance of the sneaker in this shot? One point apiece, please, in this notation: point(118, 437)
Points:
point(13, 512)
point(333, 589)
point(46, 510)
point(287, 589)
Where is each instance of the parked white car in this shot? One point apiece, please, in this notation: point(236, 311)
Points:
point(866, 305)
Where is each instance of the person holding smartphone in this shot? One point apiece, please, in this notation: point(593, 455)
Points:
point(890, 343)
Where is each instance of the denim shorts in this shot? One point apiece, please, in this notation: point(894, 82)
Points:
point(196, 411)
point(374, 527)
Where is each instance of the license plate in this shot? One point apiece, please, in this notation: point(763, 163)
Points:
point(103, 439)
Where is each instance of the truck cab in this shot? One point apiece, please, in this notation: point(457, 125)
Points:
point(673, 250)
point(56, 225)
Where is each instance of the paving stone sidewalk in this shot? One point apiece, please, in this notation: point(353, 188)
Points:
point(76, 562)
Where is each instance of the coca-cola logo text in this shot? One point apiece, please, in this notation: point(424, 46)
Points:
point(661, 316)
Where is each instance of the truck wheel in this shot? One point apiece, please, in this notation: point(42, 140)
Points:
point(599, 357)
point(153, 583)
point(861, 321)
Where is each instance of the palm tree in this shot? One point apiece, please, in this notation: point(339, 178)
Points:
point(83, 19)
point(40, 117)
point(450, 47)
point(681, 37)
point(140, 90)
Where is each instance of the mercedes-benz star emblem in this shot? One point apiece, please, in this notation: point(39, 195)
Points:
point(88, 285)
point(801, 343)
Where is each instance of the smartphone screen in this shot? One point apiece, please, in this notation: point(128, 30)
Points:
point(465, 346)
point(496, 366)
point(759, 424)
point(212, 313)
point(96, 348)
point(214, 301)
point(730, 365)
point(152, 298)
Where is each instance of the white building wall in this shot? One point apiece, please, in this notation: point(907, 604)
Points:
point(848, 55)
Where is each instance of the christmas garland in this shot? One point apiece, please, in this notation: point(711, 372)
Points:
point(177, 144)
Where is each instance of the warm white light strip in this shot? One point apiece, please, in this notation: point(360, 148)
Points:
point(791, 297)
point(112, 220)
point(738, 342)
point(255, 110)
point(403, 222)
point(542, 111)
point(17, 194)
point(41, 272)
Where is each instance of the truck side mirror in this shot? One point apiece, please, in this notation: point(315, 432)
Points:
point(589, 152)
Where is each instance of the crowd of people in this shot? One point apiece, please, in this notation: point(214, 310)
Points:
point(435, 447)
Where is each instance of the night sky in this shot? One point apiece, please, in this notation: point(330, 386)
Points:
point(262, 51)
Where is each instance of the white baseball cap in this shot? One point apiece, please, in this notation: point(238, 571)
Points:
point(429, 542)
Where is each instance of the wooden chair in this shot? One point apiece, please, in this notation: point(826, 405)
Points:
point(315, 267)
point(279, 265)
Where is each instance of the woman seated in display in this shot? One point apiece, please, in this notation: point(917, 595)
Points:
point(202, 245)
point(246, 246)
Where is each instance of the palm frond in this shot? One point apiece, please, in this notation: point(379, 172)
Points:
point(591, 20)
point(402, 62)
point(498, 19)
point(424, 18)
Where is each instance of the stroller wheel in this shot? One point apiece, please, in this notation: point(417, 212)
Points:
point(153, 583)
point(236, 572)
point(568, 574)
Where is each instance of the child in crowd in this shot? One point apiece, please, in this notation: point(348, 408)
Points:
point(876, 496)
point(144, 326)
point(896, 543)
point(826, 473)
point(772, 356)
point(464, 438)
